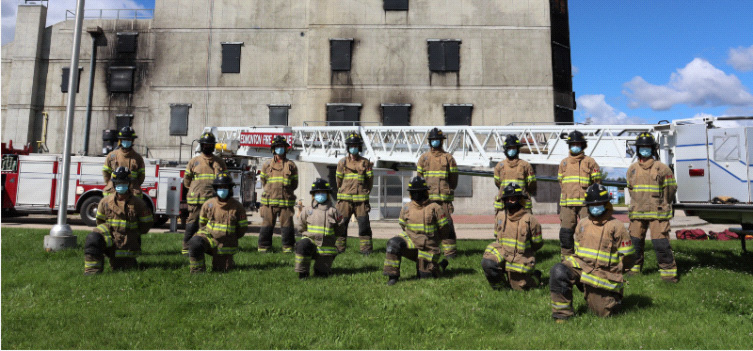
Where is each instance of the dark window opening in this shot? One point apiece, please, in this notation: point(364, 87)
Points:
point(343, 114)
point(561, 67)
point(396, 114)
point(444, 55)
point(121, 79)
point(123, 120)
point(231, 57)
point(179, 119)
point(127, 42)
point(563, 115)
point(457, 114)
point(396, 5)
point(278, 115)
point(66, 75)
point(340, 54)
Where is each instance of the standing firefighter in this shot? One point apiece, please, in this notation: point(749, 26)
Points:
point(652, 188)
point(200, 173)
point(603, 253)
point(424, 225)
point(576, 173)
point(515, 171)
point(441, 173)
point(121, 220)
point(280, 178)
point(126, 157)
point(518, 236)
point(354, 182)
point(318, 226)
point(222, 223)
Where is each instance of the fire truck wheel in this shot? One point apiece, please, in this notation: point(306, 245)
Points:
point(89, 210)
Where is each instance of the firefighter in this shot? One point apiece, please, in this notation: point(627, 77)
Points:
point(603, 253)
point(318, 225)
point(355, 179)
point(198, 178)
point(441, 173)
point(576, 173)
point(127, 157)
point(518, 237)
point(222, 222)
point(515, 171)
point(279, 177)
point(652, 189)
point(424, 225)
point(122, 218)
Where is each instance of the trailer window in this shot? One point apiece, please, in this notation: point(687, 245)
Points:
point(10, 163)
point(727, 148)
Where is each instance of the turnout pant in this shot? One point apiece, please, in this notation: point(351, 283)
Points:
point(361, 211)
point(449, 244)
point(561, 280)
point(425, 252)
point(192, 225)
point(97, 246)
point(305, 251)
point(660, 239)
point(222, 257)
point(569, 216)
point(269, 216)
point(494, 264)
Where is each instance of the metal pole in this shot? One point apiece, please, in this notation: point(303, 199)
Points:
point(92, 70)
point(61, 236)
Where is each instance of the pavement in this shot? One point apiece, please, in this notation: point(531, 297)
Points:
point(466, 226)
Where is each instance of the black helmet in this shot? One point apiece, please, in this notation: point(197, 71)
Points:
point(354, 138)
point(320, 185)
point(127, 133)
point(121, 175)
point(575, 137)
point(645, 139)
point(511, 141)
point(279, 140)
point(596, 193)
point(418, 183)
point(512, 190)
point(223, 179)
point(436, 134)
point(207, 138)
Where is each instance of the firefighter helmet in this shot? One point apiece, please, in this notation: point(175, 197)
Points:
point(511, 141)
point(418, 183)
point(354, 139)
point(645, 139)
point(436, 134)
point(207, 138)
point(512, 190)
point(279, 140)
point(223, 179)
point(320, 185)
point(575, 137)
point(121, 175)
point(127, 133)
point(596, 194)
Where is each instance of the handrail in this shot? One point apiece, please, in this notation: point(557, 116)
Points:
point(116, 14)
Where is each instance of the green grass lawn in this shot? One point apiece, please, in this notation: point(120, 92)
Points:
point(47, 303)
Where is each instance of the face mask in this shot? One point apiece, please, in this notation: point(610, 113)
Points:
point(207, 150)
point(645, 151)
point(280, 150)
point(436, 143)
point(126, 143)
point(320, 197)
point(353, 150)
point(223, 193)
point(121, 188)
point(513, 206)
point(512, 153)
point(596, 211)
point(575, 149)
point(419, 196)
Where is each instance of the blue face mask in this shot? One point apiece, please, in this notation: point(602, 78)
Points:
point(320, 197)
point(512, 152)
point(121, 188)
point(575, 149)
point(280, 150)
point(353, 150)
point(596, 211)
point(223, 193)
point(436, 143)
point(645, 151)
point(126, 143)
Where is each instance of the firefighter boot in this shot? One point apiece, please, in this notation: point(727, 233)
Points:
point(666, 260)
point(288, 239)
point(94, 254)
point(265, 239)
point(191, 229)
point(364, 235)
point(449, 245)
point(341, 243)
point(304, 250)
point(196, 255)
point(638, 245)
point(222, 263)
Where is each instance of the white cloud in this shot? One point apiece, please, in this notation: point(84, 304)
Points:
point(56, 12)
point(598, 111)
point(741, 58)
point(574, 70)
point(699, 83)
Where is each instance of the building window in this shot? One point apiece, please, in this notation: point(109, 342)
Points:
point(121, 79)
point(444, 55)
point(123, 120)
point(179, 119)
point(231, 57)
point(127, 42)
point(457, 114)
point(562, 68)
point(396, 114)
point(396, 5)
point(340, 53)
point(345, 114)
point(278, 115)
point(563, 115)
point(66, 74)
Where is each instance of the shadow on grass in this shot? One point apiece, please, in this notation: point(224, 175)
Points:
point(633, 302)
point(359, 270)
point(723, 259)
point(262, 266)
point(163, 265)
point(456, 271)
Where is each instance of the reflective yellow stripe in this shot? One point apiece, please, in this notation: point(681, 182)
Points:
point(420, 169)
point(320, 230)
point(572, 261)
point(203, 176)
point(561, 305)
point(627, 250)
point(148, 218)
point(106, 169)
point(93, 264)
point(596, 254)
point(101, 216)
point(326, 250)
point(429, 174)
point(453, 170)
point(443, 222)
point(203, 220)
point(421, 228)
point(517, 267)
point(602, 283)
point(668, 272)
point(122, 223)
point(277, 202)
point(520, 245)
point(494, 251)
point(578, 201)
point(408, 241)
point(650, 215)
point(536, 238)
point(392, 263)
point(442, 197)
point(428, 256)
point(575, 179)
point(352, 197)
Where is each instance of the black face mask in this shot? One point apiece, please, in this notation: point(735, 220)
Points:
point(513, 206)
point(207, 149)
point(419, 196)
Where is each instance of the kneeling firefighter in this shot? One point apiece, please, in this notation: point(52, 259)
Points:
point(222, 221)
point(424, 225)
point(318, 225)
point(518, 236)
point(603, 253)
